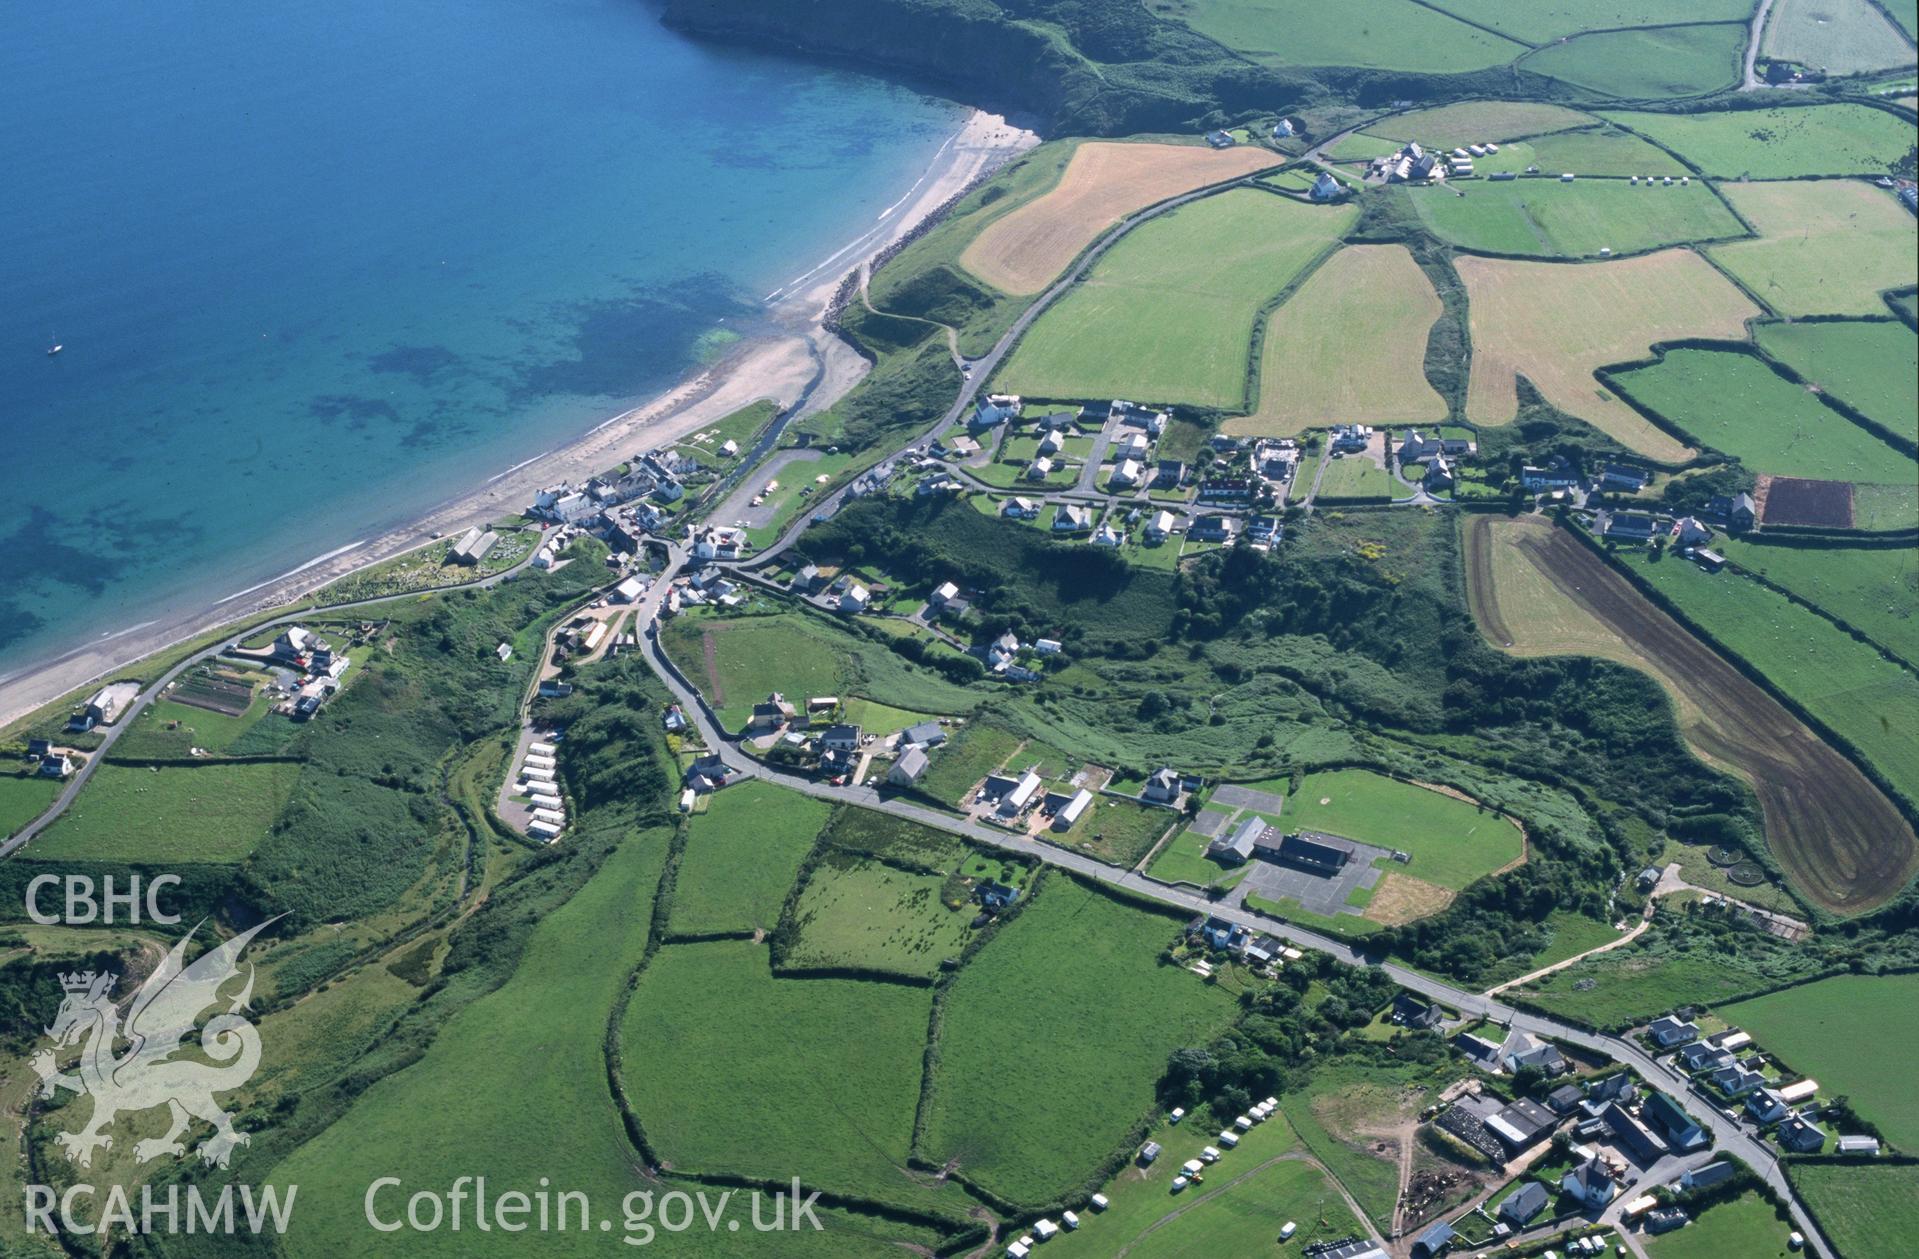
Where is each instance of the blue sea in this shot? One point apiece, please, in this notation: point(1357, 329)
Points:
point(318, 267)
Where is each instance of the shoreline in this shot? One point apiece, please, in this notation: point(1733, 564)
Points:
point(797, 357)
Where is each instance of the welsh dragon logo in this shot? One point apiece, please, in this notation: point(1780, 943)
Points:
point(152, 1069)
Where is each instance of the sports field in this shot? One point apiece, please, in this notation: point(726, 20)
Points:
point(1781, 143)
point(1535, 590)
point(1825, 248)
point(1845, 683)
point(1475, 122)
point(1870, 1212)
point(1748, 1226)
point(1168, 314)
point(1350, 341)
point(1541, 21)
point(1813, 1029)
point(1647, 63)
point(1547, 218)
point(1596, 151)
point(1873, 366)
point(1873, 589)
point(1838, 36)
point(740, 859)
point(1736, 403)
point(1386, 34)
point(732, 1070)
point(1058, 993)
point(857, 913)
point(1557, 322)
point(200, 813)
point(1024, 251)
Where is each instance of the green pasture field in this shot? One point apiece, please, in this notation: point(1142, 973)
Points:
point(1060, 994)
point(1813, 1028)
point(1868, 1212)
point(1825, 248)
point(1546, 218)
point(1645, 64)
point(1356, 476)
point(1119, 832)
point(1361, 147)
point(856, 912)
point(1168, 313)
point(1475, 122)
point(964, 759)
point(1871, 364)
point(1838, 36)
point(502, 1082)
point(1542, 21)
point(741, 858)
point(1737, 404)
point(1383, 34)
point(1595, 151)
point(1452, 842)
point(1884, 507)
point(24, 796)
point(1781, 143)
point(881, 719)
point(1873, 589)
point(730, 1069)
point(212, 813)
point(1748, 1226)
point(1845, 683)
point(1631, 984)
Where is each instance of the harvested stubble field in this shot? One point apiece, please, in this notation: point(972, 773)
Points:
point(1647, 63)
point(1825, 247)
point(1546, 217)
point(1024, 251)
point(1350, 341)
point(1168, 314)
point(1556, 323)
point(1782, 143)
point(1535, 590)
point(1475, 122)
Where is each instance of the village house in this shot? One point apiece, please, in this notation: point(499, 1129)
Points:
point(841, 738)
point(1051, 444)
point(1014, 799)
point(1624, 477)
point(1002, 650)
point(1263, 531)
point(1631, 526)
point(1235, 848)
point(1802, 1136)
point(1106, 535)
point(1633, 1136)
point(1326, 188)
point(1737, 512)
point(55, 765)
point(1439, 474)
point(908, 768)
point(1226, 489)
point(1214, 529)
point(1524, 1204)
point(1162, 787)
point(941, 593)
point(1132, 446)
point(1351, 438)
point(958, 446)
point(1416, 1012)
point(1067, 814)
point(1767, 1106)
point(1414, 448)
point(719, 542)
point(1276, 460)
point(1523, 1050)
point(111, 700)
point(1169, 474)
point(1668, 1031)
point(1127, 473)
point(1039, 469)
point(1020, 509)
point(1556, 476)
point(770, 714)
point(1160, 527)
point(1048, 646)
point(994, 410)
point(1704, 1056)
point(1671, 1121)
point(855, 598)
point(1071, 518)
point(1736, 1080)
point(1689, 531)
point(926, 734)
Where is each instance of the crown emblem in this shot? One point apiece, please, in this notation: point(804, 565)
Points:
point(79, 981)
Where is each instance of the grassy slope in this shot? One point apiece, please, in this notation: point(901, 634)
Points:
point(741, 857)
point(24, 797)
point(1475, 122)
point(1540, 21)
point(1781, 143)
point(1748, 1227)
point(1390, 34)
point(1060, 994)
point(201, 813)
point(1597, 151)
point(1874, 590)
point(1840, 36)
point(1812, 1029)
point(1874, 366)
point(1168, 314)
point(1642, 64)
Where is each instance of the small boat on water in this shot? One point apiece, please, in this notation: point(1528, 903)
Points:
point(54, 349)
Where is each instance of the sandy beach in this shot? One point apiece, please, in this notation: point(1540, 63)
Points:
point(798, 355)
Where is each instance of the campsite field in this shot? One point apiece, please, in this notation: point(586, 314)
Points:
point(1537, 590)
point(1475, 122)
point(1387, 34)
point(1824, 248)
point(732, 1070)
point(1811, 1029)
point(1748, 1226)
point(858, 913)
point(1168, 313)
point(216, 812)
point(1350, 341)
point(1058, 992)
point(1873, 589)
point(1594, 151)
point(740, 860)
point(1546, 218)
point(1838, 36)
point(1864, 1210)
point(1646, 63)
point(1843, 682)
point(1026, 249)
point(1452, 841)
point(1872, 365)
point(1781, 143)
point(1736, 403)
point(1557, 322)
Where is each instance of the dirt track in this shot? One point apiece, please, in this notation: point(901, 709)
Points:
point(1837, 835)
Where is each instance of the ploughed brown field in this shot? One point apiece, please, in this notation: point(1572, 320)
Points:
point(1792, 500)
point(1536, 590)
point(1103, 183)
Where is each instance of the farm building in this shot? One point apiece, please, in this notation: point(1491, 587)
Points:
point(1236, 847)
point(1072, 810)
point(1316, 852)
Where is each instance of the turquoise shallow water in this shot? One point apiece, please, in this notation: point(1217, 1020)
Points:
point(317, 267)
